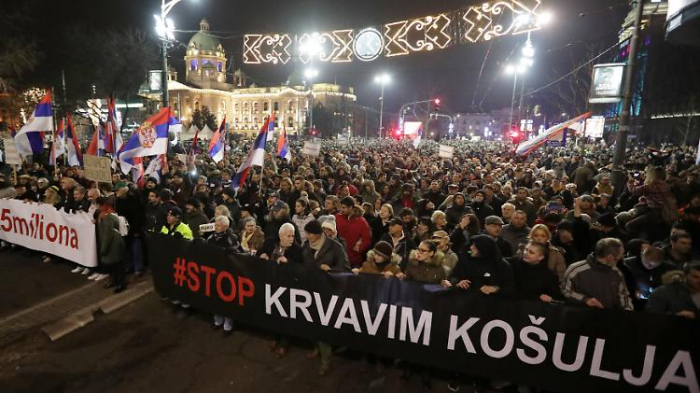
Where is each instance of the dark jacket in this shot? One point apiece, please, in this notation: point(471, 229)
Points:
point(271, 248)
point(332, 253)
point(74, 206)
point(194, 220)
point(131, 209)
point(531, 281)
point(227, 240)
point(591, 279)
point(378, 228)
point(111, 245)
point(486, 269)
point(671, 299)
point(483, 210)
point(403, 248)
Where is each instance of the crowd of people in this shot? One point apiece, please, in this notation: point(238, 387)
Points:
point(550, 227)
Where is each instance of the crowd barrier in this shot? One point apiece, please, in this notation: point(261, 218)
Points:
point(549, 346)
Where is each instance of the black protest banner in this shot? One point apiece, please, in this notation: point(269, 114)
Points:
point(553, 347)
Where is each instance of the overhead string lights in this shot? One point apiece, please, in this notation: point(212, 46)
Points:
point(478, 23)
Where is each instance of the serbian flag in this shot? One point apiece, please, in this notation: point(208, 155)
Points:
point(112, 137)
point(556, 133)
point(97, 143)
point(58, 147)
point(150, 139)
point(216, 146)
point(256, 156)
point(283, 150)
point(75, 157)
point(30, 138)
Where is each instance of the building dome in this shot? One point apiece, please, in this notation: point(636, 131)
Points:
point(203, 40)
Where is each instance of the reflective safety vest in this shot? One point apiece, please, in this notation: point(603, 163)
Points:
point(181, 228)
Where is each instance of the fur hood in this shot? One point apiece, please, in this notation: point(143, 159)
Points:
point(395, 258)
point(437, 259)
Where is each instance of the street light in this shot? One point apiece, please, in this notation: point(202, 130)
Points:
point(310, 74)
point(165, 28)
point(383, 79)
point(514, 70)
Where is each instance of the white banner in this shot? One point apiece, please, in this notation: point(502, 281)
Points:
point(43, 228)
point(311, 149)
point(11, 155)
point(446, 151)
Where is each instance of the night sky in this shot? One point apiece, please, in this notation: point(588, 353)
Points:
point(452, 73)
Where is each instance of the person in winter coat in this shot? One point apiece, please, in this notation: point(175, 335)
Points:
point(480, 207)
point(445, 246)
point(380, 224)
point(194, 216)
point(679, 298)
point(402, 244)
point(283, 248)
point(302, 216)
point(381, 260)
point(224, 238)
point(321, 252)
point(175, 226)
point(533, 279)
point(455, 212)
point(354, 230)
point(110, 245)
point(483, 269)
point(252, 237)
point(369, 193)
point(330, 229)
point(596, 281)
point(425, 264)
point(554, 257)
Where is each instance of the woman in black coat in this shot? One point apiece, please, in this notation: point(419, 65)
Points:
point(483, 268)
point(533, 279)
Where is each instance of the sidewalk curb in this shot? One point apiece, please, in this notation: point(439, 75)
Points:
point(82, 318)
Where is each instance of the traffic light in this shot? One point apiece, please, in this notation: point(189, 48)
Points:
point(436, 105)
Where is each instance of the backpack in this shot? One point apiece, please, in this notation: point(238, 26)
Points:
point(123, 225)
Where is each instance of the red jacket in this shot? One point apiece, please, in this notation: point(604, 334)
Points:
point(353, 230)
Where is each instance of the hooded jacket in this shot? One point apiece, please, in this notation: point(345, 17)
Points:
point(488, 268)
point(370, 266)
point(354, 229)
point(531, 281)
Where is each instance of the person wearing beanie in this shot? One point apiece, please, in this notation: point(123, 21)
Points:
point(326, 254)
point(483, 269)
point(480, 207)
point(381, 260)
point(330, 229)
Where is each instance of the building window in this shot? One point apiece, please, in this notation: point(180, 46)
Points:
point(193, 65)
point(255, 107)
point(290, 105)
point(266, 106)
point(276, 106)
point(235, 108)
point(219, 66)
point(255, 121)
point(290, 122)
point(196, 105)
point(246, 107)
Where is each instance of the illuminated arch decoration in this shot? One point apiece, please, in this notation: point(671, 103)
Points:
point(477, 23)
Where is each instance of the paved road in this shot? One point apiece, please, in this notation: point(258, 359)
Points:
point(146, 347)
point(25, 281)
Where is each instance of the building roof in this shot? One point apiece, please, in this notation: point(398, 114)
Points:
point(203, 40)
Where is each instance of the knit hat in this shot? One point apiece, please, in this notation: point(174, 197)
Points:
point(493, 220)
point(487, 247)
point(384, 249)
point(54, 189)
point(313, 227)
point(328, 222)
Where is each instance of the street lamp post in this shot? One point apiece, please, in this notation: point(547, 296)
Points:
point(310, 74)
point(383, 79)
point(165, 28)
point(515, 71)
